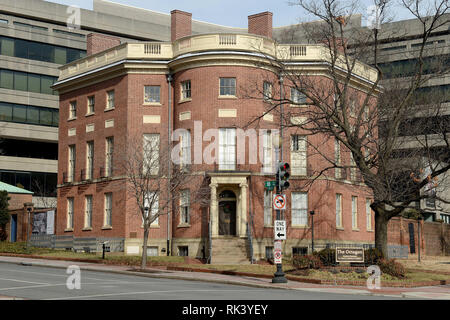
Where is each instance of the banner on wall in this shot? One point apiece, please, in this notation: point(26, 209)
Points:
point(44, 222)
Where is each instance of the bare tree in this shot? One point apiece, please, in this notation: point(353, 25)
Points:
point(393, 129)
point(154, 180)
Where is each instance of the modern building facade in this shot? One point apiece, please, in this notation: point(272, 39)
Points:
point(199, 83)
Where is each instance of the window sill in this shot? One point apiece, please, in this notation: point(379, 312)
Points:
point(184, 225)
point(268, 226)
point(185, 100)
point(109, 109)
point(72, 119)
point(355, 230)
point(157, 104)
point(68, 230)
point(89, 114)
point(340, 228)
point(106, 227)
point(87, 229)
point(299, 105)
point(370, 230)
point(227, 97)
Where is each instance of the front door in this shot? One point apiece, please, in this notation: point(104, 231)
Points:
point(227, 217)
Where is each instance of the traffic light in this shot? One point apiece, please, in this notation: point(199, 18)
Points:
point(283, 176)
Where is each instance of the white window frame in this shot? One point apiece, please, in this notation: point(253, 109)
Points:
point(337, 159)
point(154, 208)
point(267, 90)
point(186, 92)
point(297, 97)
point(299, 154)
point(339, 210)
point(354, 212)
point(227, 90)
point(108, 210)
point(109, 152)
point(352, 168)
point(88, 211)
point(185, 148)
point(368, 215)
point(90, 105)
point(89, 160)
point(267, 152)
point(71, 163)
point(72, 110)
point(185, 210)
point(152, 94)
point(110, 100)
point(299, 209)
point(151, 145)
point(268, 212)
point(227, 149)
point(70, 208)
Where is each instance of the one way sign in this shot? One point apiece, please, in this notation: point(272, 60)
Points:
point(280, 230)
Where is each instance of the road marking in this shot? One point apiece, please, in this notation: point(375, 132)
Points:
point(7, 279)
point(145, 292)
point(57, 275)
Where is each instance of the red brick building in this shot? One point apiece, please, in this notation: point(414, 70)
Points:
point(199, 83)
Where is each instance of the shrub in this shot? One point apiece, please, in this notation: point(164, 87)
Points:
point(372, 256)
point(327, 256)
point(306, 262)
point(392, 268)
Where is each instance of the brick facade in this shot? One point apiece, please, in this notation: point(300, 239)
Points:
point(99, 42)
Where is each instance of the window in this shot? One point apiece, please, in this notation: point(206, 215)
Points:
point(152, 94)
point(73, 110)
point(297, 97)
point(109, 156)
point(269, 252)
point(151, 201)
point(267, 90)
point(368, 215)
point(184, 207)
point(185, 141)
point(228, 86)
point(227, 149)
point(267, 207)
point(108, 210)
point(31, 82)
point(38, 51)
point(91, 105)
point(89, 160)
point(186, 90)
point(299, 208)
point(69, 213)
point(267, 152)
point(151, 153)
point(298, 155)
point(110, 100)
point(72, 159)
point(183, 251)
point(352, 168)
point(337, 159)
point(28, 114)
point(354, 212)
point(152, 251)
point(445, 218)
point(338, 210)
point(299, 251)
point(88, 212)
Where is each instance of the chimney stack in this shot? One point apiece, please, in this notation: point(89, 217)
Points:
point(99, 42)
point(261, 24)
point(181, 24)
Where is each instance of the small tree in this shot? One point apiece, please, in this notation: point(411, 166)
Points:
point(4, 214)
point(153, 181)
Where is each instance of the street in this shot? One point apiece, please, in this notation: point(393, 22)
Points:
point(46, 283)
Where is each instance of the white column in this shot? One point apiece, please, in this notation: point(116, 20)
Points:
point(243, 211)
point(213, 210)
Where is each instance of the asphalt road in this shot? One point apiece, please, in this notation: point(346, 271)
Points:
point(44, 283)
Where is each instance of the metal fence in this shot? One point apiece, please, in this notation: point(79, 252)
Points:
point(76, 244)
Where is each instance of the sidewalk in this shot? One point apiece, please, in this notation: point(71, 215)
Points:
point(434, 292)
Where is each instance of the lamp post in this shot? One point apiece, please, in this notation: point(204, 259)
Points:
point(418, 236)
point(312, 230)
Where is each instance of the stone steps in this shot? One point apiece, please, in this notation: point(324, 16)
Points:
point(229, 251)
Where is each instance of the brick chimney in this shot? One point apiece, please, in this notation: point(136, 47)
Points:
point(180, 25)
point(261, 24)
point(99, 42)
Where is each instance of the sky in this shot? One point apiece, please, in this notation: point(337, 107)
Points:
point(232, 13)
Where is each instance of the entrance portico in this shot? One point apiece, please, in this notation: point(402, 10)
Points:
point(227, 213)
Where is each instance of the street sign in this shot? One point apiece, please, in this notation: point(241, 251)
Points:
point(277, 256)
point(270, 185)
point(277, 245)
point(279, 201)
point(280, 230)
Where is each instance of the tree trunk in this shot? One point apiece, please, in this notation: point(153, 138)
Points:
point(144, 249)
point(381, 224)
